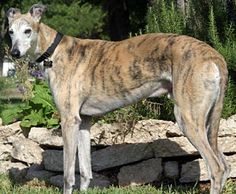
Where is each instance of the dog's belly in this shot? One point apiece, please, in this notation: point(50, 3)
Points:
point(99, 103)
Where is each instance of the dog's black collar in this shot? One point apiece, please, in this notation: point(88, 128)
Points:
point(50, 51)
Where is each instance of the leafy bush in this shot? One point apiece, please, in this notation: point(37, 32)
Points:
point(164, 17)
point(10, 100)
point(40, 110)
point(37, 111)
point(27, 99)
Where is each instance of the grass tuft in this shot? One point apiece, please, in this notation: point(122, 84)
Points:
point(40, 187)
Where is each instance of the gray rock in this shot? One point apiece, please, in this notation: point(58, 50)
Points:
point(180, 146)
point(147, 131)
point(18, 174)
point(106, 134)
point(102, 159)
point(176, 146)
point(194, 171)
point(142, 132)
point(27, 151)
point(232, 162)
point(43, 175)
point(228, 127)
point(12, 130)
point(227, 144)
point(37, 171)
point(171, 170)
point(98, 180)
point(118, 155)
point(0, 122)
point(150, 130)
point(141, 173)
point(53, 161)
point(46, 137)
point(5, 151)
point(5, 166)
point(173, 131)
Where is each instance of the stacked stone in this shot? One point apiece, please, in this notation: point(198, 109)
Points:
point(151, 150)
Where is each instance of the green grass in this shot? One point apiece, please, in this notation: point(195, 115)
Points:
point(39, 187)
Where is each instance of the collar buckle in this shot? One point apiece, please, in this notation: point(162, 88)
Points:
point(47, 63)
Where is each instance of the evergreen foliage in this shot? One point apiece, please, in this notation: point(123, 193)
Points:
point(72, 17)
point(213, 33)
point(230, 100)
point(227, 47)
point(165, 18)
point(205, 20)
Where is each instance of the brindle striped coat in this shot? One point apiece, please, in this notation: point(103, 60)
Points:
point(92, 77)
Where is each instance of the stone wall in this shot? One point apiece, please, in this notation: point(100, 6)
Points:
point(151, 150)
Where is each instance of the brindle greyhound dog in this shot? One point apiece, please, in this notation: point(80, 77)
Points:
point(92, 77)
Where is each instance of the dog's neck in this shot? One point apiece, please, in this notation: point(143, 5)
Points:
point(46, 36)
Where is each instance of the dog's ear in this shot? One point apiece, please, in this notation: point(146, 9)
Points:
point(36, 11)
point(12, 13)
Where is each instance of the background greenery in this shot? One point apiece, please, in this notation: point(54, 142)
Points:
point(211, 21)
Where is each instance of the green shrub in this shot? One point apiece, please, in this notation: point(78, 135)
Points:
point(37, 111)
point(10, 100)
point(213, 32)
point(165, 18)
point(230, 100)
point(9, 110)
point(40, 110)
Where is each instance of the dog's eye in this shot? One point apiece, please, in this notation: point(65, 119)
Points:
point(11, 32)
point(27, 31)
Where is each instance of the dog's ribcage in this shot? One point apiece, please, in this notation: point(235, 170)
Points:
point(126, 73)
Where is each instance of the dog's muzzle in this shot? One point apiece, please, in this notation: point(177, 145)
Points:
point(15, 53)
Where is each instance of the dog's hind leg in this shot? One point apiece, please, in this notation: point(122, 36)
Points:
point(196, 134)
point(84, 153)
point(212, 134)
point(193, 119)
point(199, 102)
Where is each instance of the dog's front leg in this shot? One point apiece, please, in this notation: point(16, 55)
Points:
point(70, 127)
point(84, 153)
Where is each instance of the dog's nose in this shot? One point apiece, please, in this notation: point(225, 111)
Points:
point(15, 53)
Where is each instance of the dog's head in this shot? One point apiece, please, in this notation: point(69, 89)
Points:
point(23, 29)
